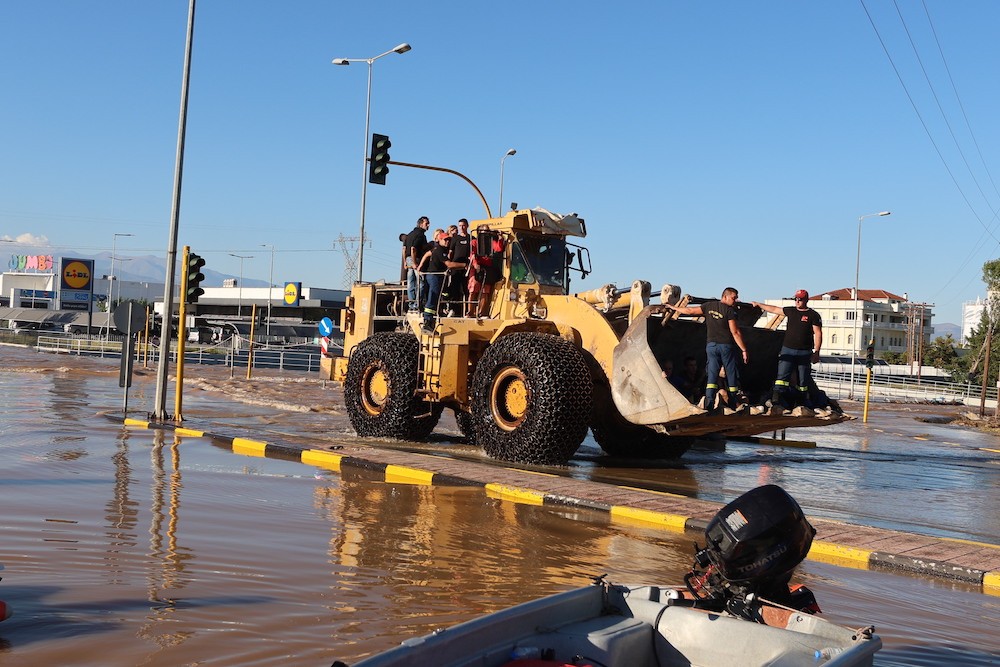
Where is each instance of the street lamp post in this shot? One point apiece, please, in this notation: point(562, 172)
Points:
point(402, 48)
point(239, 298)
point(857, 271)
point(111, 281)
point(506, 155)
point(116, 287)
point(270, 284)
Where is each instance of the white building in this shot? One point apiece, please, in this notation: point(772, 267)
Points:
point(972, 314)
point(894, 322)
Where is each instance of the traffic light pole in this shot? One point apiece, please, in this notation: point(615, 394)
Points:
point(449, 171)
point(181, 336)
point(869, 364)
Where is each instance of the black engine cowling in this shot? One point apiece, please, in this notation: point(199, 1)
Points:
point(762, 535)
point(752, 546)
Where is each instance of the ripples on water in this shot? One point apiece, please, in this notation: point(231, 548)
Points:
point(128, 547)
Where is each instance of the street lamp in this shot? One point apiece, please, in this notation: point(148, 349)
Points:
point(111, 278)
point(509, 152)
point(857, 270)
point(239, 301)
point(116, 287)
point(270, 284)
point(402, 48)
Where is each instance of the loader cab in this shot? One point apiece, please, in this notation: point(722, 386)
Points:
point(540, 259)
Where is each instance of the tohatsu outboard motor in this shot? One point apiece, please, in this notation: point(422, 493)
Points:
point(752, 546)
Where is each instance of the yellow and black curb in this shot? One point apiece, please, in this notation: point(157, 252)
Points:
point(821, 551)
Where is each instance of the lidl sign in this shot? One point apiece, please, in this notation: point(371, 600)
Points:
point(77, 273)
point(293, 292)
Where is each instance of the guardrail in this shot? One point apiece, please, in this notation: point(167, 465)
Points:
point(295, 360)
point(908, 389)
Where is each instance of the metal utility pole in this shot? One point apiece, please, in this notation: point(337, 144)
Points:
point(986, 370)
point(350, 258)
point(160, 405)
point(270, 285)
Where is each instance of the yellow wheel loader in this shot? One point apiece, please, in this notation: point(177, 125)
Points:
point(530, 367)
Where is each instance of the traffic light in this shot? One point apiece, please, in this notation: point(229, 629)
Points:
point(379, 162)
point(194, 278)
point(870, 355)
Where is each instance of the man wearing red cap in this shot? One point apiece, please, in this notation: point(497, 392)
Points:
point(799, 350)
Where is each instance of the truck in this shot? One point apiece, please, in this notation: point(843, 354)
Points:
point(539, 365)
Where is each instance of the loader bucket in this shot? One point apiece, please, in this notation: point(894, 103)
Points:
point(645, 397)
point(641, 393)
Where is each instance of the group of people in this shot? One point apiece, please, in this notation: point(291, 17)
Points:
point(448, 274)
point(726, 348)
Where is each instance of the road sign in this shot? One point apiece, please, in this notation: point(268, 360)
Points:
point(324, 346)
point(129, 317)
point(325, 326)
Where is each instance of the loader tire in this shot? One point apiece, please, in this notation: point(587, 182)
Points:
point(621, 438)
point(464, 421)
point(531, 399)
point(380, 389)
point(639, 442)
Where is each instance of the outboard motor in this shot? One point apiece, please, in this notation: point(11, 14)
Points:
point(753, 544)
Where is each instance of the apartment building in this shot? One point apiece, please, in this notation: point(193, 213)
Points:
point(894, 322)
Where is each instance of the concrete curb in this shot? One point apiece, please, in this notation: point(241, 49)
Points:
point(822, 550)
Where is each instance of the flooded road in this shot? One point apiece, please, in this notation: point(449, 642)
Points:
point(136, 547)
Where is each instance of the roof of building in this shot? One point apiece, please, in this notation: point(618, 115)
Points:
point(844, 294)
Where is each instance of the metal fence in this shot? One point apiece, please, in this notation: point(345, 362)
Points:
point(895, 388)
point(884, 388)
point(286, 359)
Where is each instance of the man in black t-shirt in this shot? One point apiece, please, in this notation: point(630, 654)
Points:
point(800, 349)
point(414, 247)
point(724, 347)
point(457, 289)
point(433, 266)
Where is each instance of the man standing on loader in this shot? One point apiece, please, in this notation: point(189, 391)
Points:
point(724, 348)
point(799, 350)
point(414, 246)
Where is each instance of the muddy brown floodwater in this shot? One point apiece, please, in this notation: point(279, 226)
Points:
point(126, 546)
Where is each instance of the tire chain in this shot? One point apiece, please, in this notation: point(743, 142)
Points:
point(409, 419)
point(560, 399)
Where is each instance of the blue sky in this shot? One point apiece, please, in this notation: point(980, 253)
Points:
point(705, 143)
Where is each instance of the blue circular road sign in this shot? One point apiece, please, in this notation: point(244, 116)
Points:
point(325, 326)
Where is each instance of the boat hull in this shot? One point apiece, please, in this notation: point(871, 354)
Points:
point(607, 624)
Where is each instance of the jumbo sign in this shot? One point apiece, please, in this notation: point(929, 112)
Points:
point(32, 262)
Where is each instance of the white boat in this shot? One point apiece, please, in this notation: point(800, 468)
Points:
point(736, 609)
point(606, 625)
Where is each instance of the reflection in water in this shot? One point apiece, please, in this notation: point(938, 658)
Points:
point(166, 580)
point(122, 512)
point(67, 391)
point(436, 555)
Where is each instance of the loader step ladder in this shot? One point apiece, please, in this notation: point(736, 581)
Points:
point(429, 364)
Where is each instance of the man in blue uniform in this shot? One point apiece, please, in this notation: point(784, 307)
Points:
point(725, 345)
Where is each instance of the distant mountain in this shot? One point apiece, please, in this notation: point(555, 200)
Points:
point(942, 330)
point(141, 268)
